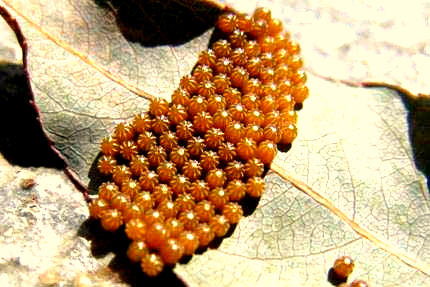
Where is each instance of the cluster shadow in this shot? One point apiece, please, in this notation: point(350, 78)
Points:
point(153, 23)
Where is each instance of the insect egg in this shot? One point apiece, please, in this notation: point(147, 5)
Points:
point(255, 186)
point(246, 148)
point(190, 242)
point(207, 89)
point(199, 190)
point(250, 101)
point(144, 201)
point(207, 57)
point(254, 167)
point(161, 193)
point(202, 73)
point(180, 184)
point(216, 103)
point(205, 234)
point(137, 250)
point(166, 171)
point(275, 26)
point(107, 190)
point(152, 216)
point(227, 22)
point(135, 229)
point(218, 197)
point(237, 38)
point(142, 123)
point(300, 93)
point(204, 210)
point(192, 169)
point(267, 59)
point(120, 201)
point(213, 138)
point(236, 190)
point(168, 208)
point(224, 65)
point(266, 151)
point(239, 76)
point(219, 225)
point(233, 212)
point(254, 117)
point(222, 48)
point(288, 134)
point(174, 226)
point(202, 122)
point(195, 146)
point(234, 132)
point(138, 165)
point(244, 22)
point(106, 164)
point(156, 155)
point(221, 82)
point(160, 124)
point(221, 119)
point(254, 132)
point(146, 140)
point(152, 264)
point(171, 251)
point(215, 178)
point(268, 104)
point(189, 84)
point(343, 266)
point(252, 85)
point(234, 170)
point(148, 180)
point(156, 235)
point(185, 202)
point(176, 114)
point(209, 160)
point(130, 188)
point(232, 96)
point(262, 13)
point(109, 146)
point(180, 97)
point(259, 28)
point(184, 130)
point(227, 152)
point(121, 173)
point(158, 107)
point(238, 56)
point(128, 149)
point(111, 219)
point(97, 206)
point(189, 219)
point(123, 132)
point(133, 211)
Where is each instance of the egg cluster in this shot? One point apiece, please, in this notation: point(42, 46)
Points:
point(179, 172)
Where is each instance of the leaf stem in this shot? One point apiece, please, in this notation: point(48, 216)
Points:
point(414, 263)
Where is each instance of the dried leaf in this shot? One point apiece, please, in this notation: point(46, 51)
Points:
point(356, 146)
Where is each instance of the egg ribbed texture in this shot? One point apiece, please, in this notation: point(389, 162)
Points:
point(177, 174)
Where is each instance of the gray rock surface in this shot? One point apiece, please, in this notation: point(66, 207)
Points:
point(42, 231)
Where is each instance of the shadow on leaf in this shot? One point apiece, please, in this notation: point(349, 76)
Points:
point(155, 22)
point(22, 140)
point(418, 118)
point(419, 130)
